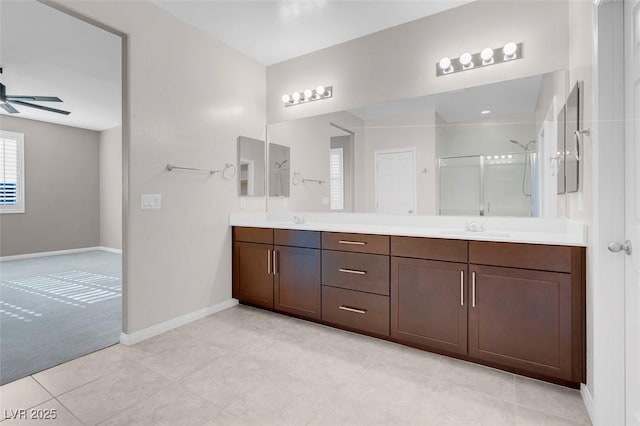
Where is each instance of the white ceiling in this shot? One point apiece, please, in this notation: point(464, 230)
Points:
point(272, 31)
point(58, 55)
point(502, 99)
point(48, 53)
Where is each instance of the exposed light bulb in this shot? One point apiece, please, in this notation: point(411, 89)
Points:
point(509, 50)
point(296, 96)
point(487, 55)
point(320, 90)
point(465, 59)
point(286, 98)
point(445, 64)
point(308, 93)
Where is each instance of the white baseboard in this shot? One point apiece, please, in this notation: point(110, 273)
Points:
point(588, 401)
point(110, 250)
point(147, 333)
point(55, 253)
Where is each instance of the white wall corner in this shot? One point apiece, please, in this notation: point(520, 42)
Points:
point(587, 398)
point(163, 327)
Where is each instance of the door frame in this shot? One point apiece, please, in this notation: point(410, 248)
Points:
point(605, 271)
point(412, 150)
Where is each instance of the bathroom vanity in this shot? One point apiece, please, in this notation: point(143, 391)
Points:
point(489, 298)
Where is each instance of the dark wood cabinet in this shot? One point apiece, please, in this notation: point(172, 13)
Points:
point(297, 285)
point(519, 307)
point(521, 318)
point(429, 303)
point(285, 276)
point(253, 276)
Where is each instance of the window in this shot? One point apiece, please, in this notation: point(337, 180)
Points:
point(336, 179)
point(11, 172)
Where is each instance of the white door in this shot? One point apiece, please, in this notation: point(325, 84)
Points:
point(396, 181)
point(632, 209)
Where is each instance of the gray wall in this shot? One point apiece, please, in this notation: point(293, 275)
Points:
point(62, 190)
point(111, 188)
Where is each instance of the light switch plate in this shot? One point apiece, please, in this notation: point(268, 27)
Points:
point(150, 201)
point(243, 203)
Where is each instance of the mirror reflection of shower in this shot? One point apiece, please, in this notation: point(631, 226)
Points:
point(280, 190)
point(527, 164)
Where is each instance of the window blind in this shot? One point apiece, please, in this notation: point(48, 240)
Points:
point(336, 179)
point(11, 164)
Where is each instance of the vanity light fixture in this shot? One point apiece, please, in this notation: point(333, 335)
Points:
point(487, 56)
point(466, 59)
point(307, 95)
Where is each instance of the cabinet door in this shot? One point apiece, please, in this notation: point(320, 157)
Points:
point(297, 281)
point(253, 273)
point(521, 318)
point(429, 303)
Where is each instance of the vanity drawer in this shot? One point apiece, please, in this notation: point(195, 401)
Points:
point(253, 235)
point(430, 248)
point(356, 271)
point(356, 310)
point(289, 237)
point(523, 256)
point(360, 243)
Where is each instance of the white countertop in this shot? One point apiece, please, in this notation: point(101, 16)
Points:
point(503, 229)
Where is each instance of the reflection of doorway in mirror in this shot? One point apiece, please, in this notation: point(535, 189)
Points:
point(341, 169)
point(247, 169)
point(396, 181)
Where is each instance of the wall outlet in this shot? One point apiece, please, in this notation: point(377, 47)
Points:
point(150, 201)
point(243, 203)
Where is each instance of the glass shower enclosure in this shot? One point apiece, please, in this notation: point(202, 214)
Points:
point(489, 185)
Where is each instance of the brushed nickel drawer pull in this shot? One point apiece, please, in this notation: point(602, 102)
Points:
point(352, 271)
point(461, 288)
point(276, 269)
point(473, 289)
point(357, 311)
point(354, 243)
point(269, 262)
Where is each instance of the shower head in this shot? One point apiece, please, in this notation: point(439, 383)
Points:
point(524, 147)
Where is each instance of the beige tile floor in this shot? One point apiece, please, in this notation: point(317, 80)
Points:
point(245, 366)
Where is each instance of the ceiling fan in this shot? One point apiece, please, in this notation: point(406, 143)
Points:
point(7, 101)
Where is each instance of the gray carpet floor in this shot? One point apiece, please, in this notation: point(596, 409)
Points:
point(57, 308)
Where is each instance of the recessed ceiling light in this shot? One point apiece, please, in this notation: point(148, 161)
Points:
point(486, 111)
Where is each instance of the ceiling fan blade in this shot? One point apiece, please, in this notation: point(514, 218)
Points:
point(9, 108)
point(44, 108)
point(35, 98)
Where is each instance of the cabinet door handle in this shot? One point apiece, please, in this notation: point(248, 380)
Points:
point(354, 243)
point(276, 268)
point(355, 310)
point(473, 289)
point(461, 288)
point(269, 261)
point(352, 271)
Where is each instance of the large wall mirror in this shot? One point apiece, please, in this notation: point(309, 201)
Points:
point(488, 150)
point(251, 173)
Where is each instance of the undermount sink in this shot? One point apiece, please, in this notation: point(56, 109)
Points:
point(477, 233)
